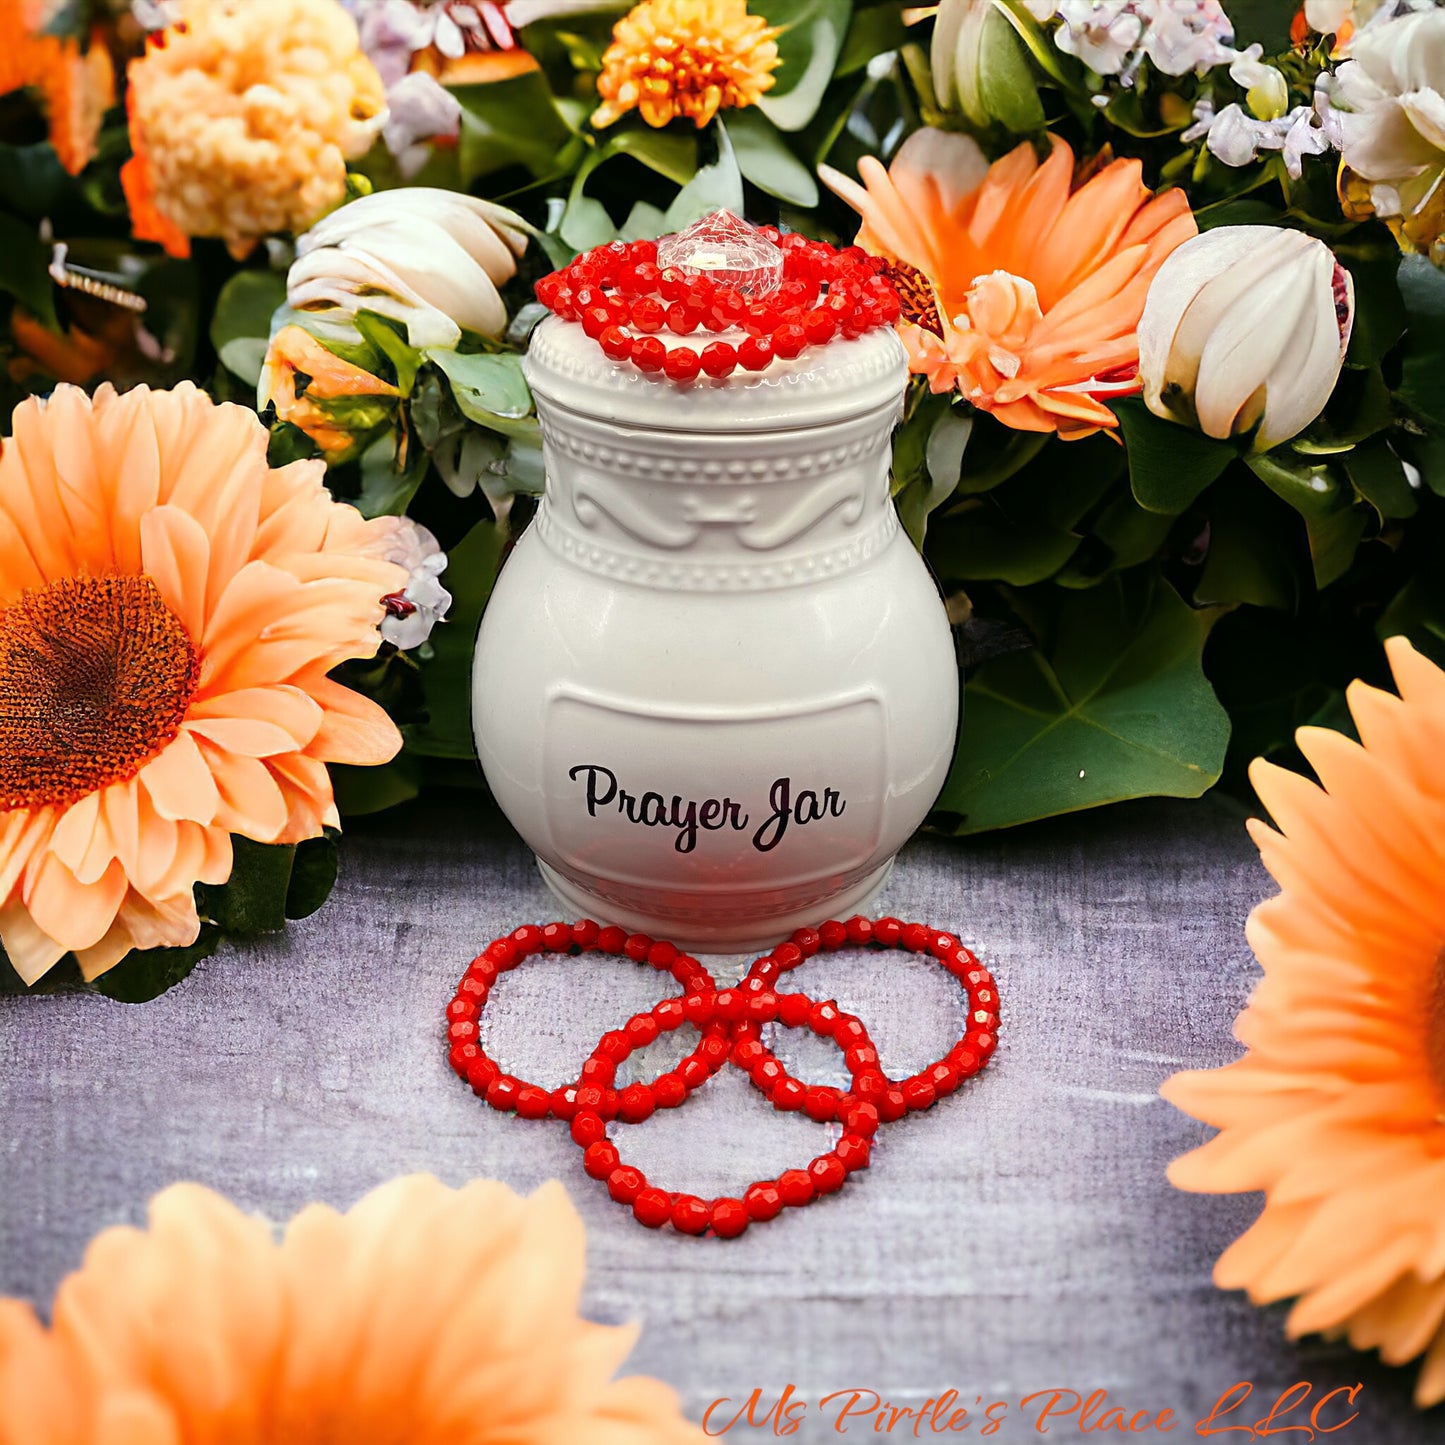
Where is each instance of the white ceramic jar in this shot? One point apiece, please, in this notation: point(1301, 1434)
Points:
point(715, 687)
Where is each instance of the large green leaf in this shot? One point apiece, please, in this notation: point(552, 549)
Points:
point(146, 974)
point(1265, 21)
point(472, 568)
point(718, 187)
point(241, 323)
point(764, 158)
point(1169, 464)
point(25, 274)
point(488, 386)
point(514, 122)
point(808, 49)
point(1326, 501)
point(1422, 375)
point(1114, 704)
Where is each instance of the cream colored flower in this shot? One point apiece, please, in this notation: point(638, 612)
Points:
point(243, 115)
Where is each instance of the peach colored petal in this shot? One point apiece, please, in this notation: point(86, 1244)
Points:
point(73, 913)
point(32, 952)
point(178, 782)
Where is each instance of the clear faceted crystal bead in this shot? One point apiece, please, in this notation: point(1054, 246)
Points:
point(728, 250)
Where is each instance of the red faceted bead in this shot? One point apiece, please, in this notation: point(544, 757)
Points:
point(668, 1013)
point(691, 1215)
point(641, 252)
point(888, 932)
point(821, 1103)
point(693, 1072)
point(944, 1077)
point(820, 326)
point(853, 1151)
point(502, 1092)
point(669, 1091)
point(761, 318)
point(652, 1207)
point(599, 1071)
point(849, 1031)
point(755, 353)
point(647, 314)
point(600, 1159)
point(528, 939)
point(587, 1127)
point(662, 955)
point(502, 953)
point(729, 1218)
point(730, 304)
point(788, 1095)
point(919, 1093)
point(625, 1183)
point(611, 938)
point(787, 956)
point(648, 354)
point(965, 1061)
point(591, 1099)
point(641, 1031)
point(557, 938)
point(627, 280)
point(862, 1057)
point(462, 1031)
point(796, 1187)
point(872, 1086)
point(860, 930)
point(731, 1005)
point(714, 1048)
point(789, 339)
point(914, 937)
point(827, 1174)
point(982, 1043)
point(480, 1073)
point(699, 1008)
point(940, 945)
point(748, 1051)
point(596, 320)
point(893, 1105)
point(833, 935)
point(636, 1103)
point(822, 1016)
point(584, 933)
point(807, 940)
point(794, 1009)
point(672, 282)
point(719, 359)
point(473, 988)
point(461, 1008)
point(533, 1103)
point(564, 1102)
point(763, 1201)
point(767, 1073)
point(614, 1046)
point(637, 947)
point(860, 1117)
point(760, 1007)
point(616, 343)
point(463, 1056)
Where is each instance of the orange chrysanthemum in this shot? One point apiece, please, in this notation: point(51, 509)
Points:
point(242, 118)
point(1337, 1110)
point(76, 86)
point(424, 1316)
point(685, 57)
point(1020, 290)
point(170, 607)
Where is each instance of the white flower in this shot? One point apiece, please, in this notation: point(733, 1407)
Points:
point(1330, 17)
point(1185, 35)
point(1266, 87)
point(1101, 33)
point(418, 109)
point(1389, 102)
point(528, 12)
point(1041, 10)
point(1245, 326)
point(431, 259)
point(423, 602)
point(1236, 138)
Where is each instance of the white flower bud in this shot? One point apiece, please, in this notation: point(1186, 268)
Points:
point(1245, 326)
point(431, 259)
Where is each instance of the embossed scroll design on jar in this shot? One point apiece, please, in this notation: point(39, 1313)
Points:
point(715, 687)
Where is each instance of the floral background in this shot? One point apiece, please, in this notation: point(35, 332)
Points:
point(334, 211)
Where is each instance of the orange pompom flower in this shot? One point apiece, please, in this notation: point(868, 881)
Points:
point(685, 57)
point(1020, 289)
point(423, 1316)
point(1337, 1109)
point(170, 607)
point(75, 85)
point(243, 115)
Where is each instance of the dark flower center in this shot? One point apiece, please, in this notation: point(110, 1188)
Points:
point(95, 677)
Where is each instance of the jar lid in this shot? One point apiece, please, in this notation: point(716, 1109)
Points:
point(845, 378)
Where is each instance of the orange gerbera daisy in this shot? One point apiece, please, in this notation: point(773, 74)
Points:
point(170, 606)
point(1020, 289)
point(1337, 1109)
point(685, 57)
point(424, 1316)
point(76, 86)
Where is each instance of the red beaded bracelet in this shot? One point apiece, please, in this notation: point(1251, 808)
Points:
point(622, 300)
point(594, 1086)
point(728, 1217)
point(893, 1098)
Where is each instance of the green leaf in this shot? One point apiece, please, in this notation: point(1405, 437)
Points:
point(808, 50)
point(472, 568)
point(241, 323)
point(1422, 373)
point(313, 875)
point(143, 975)
point(488, 386)
point(764, 158)
point(874, 31)
point(1265, 21)
point(1380, 479)
point(386, 490)
point(26, 274)
point(667, 152)
point(1253, 541)
point(1113, 705)
point(645, 222)
point(1379, 309)
point(927, 461)
point(1327, 504)
point(1169, 464)
point(253, 899)
point(361, 791)
point(514, 122)
point(718, 187)
point(1245, 211)
point(1008, 89)
point(386, 335)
